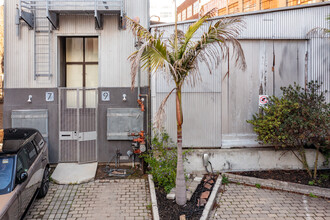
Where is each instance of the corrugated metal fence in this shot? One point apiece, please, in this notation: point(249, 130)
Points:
point(279, 51)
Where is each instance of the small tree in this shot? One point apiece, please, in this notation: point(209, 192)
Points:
point(300, 118)
point(180, 56)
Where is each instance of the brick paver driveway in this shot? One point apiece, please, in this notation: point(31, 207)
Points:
point(245, 202)
point(103, 199)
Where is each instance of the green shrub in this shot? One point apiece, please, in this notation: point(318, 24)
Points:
point(162, 160)
point(299, 119)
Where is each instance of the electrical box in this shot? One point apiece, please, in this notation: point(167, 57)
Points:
point(31, 118)
point(123, 122)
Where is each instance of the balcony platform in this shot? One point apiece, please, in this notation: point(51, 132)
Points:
point(28, 9)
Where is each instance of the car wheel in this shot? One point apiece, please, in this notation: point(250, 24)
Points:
point(44, 184)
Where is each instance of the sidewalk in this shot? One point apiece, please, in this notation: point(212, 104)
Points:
point(240, 202)
point(120, 199)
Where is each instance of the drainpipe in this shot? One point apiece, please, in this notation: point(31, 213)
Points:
point(139, 81)
point(17, 22)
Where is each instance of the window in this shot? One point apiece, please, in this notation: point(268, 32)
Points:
point(81, 70)
point(39, 141)
point(6, 174)
point(189, 11)
point(184, 15)
point(179, 17)
point(22, 162)
point(31, 150)
point(196, 7)
point(81, 62)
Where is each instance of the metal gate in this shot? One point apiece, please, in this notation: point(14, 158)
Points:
point(78, 124)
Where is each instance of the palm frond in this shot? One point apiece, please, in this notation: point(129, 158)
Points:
point(152, 54)
point(161, 115)
point(139, 30)
point(193, 28)
point(212, 48)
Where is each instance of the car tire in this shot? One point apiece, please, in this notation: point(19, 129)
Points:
point(44, 184)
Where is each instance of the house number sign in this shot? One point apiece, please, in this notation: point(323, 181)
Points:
point(105, 96)
point(49, 96)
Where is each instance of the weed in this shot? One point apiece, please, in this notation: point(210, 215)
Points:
point(149, 206)
point(324, 177)
point(311, 183)
point(312, 195)
point(162, 160)
point(258, 185)
point(225, 180)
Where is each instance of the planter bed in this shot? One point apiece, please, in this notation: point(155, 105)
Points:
point(293, 176)
point(193, 210)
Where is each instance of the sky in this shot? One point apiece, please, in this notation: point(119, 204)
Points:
point(1, 2)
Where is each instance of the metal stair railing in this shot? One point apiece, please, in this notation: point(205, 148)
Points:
point(106, 6)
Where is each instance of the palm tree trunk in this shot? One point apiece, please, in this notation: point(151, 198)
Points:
point(180, 192)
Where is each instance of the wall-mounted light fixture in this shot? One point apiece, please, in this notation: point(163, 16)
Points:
point(124, 98)
point(29, 99)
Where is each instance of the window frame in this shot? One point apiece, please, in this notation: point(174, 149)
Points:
point(84, 63)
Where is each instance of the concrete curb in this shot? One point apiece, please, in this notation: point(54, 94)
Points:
point(210, 202)
point(276, 184)
point(155, 213)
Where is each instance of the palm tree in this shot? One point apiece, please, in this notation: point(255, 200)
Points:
point(180, 56)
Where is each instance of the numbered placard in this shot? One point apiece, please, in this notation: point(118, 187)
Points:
point(105, 96)
point(49, 96)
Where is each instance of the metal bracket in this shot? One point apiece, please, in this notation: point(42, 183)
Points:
point(28, 17)
point(122, 22)
point(98, 20)
point(53, 19)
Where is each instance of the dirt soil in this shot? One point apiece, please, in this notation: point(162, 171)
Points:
point(169, 210)
point(102, 172)
point(294, 176)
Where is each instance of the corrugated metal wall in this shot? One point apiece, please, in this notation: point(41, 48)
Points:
point(115, 46)
point(201, 109)
point(278, 52)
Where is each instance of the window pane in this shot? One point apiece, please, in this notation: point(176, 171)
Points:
point(91, 82)
point(71, 98)
point(74, 76)
point(91, 76)
point(196, 5)
point(189, 11)
point(184, 15)
point(74, 79)
point(6, 174)
point(31, 152)
point(74, 50)
point(92, 50)
point(23, 160)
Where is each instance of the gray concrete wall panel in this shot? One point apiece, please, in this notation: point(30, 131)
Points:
point(107, 148)
point(16, 99)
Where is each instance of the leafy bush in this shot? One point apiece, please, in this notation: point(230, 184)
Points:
point(299, 119)
point(162, 161)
